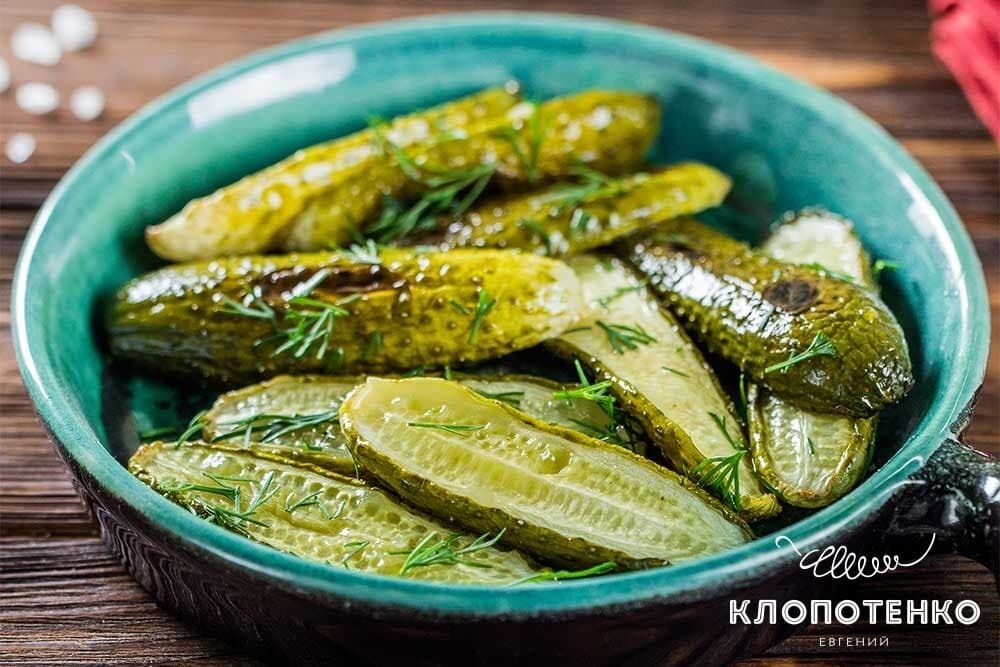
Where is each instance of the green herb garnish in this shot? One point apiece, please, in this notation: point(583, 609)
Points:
point(443, 552)
point(538, 230)
point(259, 310)
point(196, 425)
point(604, 301)
point(366, 252)
point(509, 397)
point(484, 304)
point(816, 266)
point(270, 427)
point(821, 346)
point(373, 346)
point(675, 371)
point(881, 265)
point(809, 443)
point(560, 575)
point(622, 337)
point(721, 474)
point(356, 548)
point(457, 429)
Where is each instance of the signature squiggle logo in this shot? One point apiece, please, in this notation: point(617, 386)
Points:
point(837, 562)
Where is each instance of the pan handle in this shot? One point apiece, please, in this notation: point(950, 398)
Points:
point(956, 497)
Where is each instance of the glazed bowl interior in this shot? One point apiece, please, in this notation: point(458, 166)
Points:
point(787, 146)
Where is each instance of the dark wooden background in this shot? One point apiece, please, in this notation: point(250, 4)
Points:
point(64, 600)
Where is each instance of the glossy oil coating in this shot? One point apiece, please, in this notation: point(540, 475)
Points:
point(760, 314)
point(563, 496)
point(240, 319)
point(321, 517)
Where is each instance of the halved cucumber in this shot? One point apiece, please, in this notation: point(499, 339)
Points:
point(810, 458)
point(259, 416)
point(321, 517)
point(556, 493)
point(663, 382)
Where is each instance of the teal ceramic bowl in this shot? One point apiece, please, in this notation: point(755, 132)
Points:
point(787, 145)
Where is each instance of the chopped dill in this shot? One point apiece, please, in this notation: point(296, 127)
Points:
point(373, 346)
point(675, 371)
point(259, 311)
point(622, 337)
point(457, 429)
point(809, 443)
point(816, 266)
point(196, 425)
point(270, 427)
point(721, 474)
point(355, 549)
point(484, 304)
point(362, 253)
point(443, 551)
point(560, 575)
point(459, 308)
point(536, 228)
point(881, 265)
point(619, 292)
point(821, 346)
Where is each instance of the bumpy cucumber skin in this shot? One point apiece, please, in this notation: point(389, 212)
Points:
point(346, 529)
point(672, 440)
point(856, 447)
point(255, 214)
point(327, 448)
point(550, 545)
point(609, 131)
point(174, 321)
point(756, 311)
point(618, 209)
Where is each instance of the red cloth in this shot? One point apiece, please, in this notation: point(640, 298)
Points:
point(966, 38)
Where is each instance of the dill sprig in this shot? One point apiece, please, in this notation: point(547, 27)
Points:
point(484, 304)
point(219, 489)
point(508, 397)
point(536, 229)
point(196, 425)
point(561, 575)
point(257, 309)
point(535, 126)
point(457, 429)
point(450, 192)
point(675, 371)
point(443, 552)
point(592, 184)
point(819, 268)
point(236, 519)
point(623, 337)
point(881, 265)
point(821, 346)
point(305, 501)
point(355, 549)
point(619, 292)
point(810, 445)
point(366, 252)
point(373, 346)
point(270, 427)
point(721, 474)
point(611, 430)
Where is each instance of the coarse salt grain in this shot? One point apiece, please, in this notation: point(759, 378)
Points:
point(20, 146)
point(34, 43)
point(74, 27)
point(4, 76)
point(87, 102)
point(36, 98)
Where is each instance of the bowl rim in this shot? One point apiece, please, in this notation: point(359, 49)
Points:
point(706, 576)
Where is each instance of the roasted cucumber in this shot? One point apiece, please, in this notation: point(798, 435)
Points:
point(240, 319)
point(484, 141)
point(821, 343)
point(256, 213)
point(294, 418)
point(563, 496)
point(810, 458)
point(662, 381)
point(568, 219)
point(321, 517)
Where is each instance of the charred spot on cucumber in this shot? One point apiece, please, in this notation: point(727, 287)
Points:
point(663, 382)
point(320, 517)
point(809, 458)
point(243, 318)
point(821, 343)
point(568, 498)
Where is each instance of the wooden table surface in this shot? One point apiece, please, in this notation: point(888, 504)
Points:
point(64, 600)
